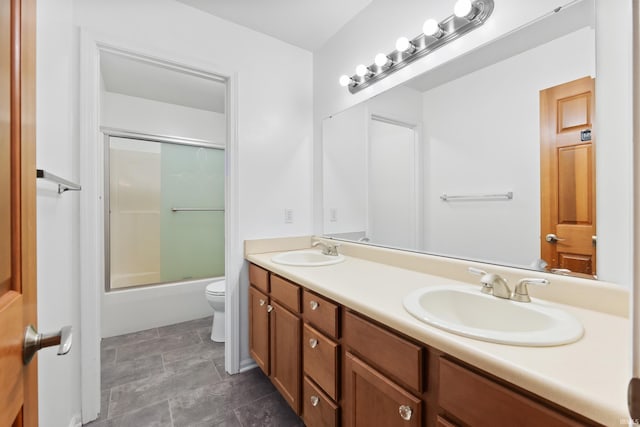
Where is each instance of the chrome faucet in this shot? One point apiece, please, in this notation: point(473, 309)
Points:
point(521, 292)
point(492, 284)
point(327, 248)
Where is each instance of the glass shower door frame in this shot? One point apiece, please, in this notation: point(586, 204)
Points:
point(121, 133)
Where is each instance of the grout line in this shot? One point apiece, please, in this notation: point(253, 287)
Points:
point(170, 413)
point(109, 404)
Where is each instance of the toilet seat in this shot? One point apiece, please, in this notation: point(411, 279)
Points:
point(216, 288)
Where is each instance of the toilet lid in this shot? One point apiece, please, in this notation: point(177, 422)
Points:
point(216, 288)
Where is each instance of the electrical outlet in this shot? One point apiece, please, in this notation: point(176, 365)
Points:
point(288, 216)
point(333, 215)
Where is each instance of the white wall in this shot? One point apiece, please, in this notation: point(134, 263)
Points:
point(159, 118)
point(57, 215)
point(482, 136)
point(274, 102)
point(345, 171)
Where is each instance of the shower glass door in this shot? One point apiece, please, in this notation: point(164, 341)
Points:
point(165, 212)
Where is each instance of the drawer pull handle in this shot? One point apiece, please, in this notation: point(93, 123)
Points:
point(405, 412)
point(315, 400)
point(269, 308)
point(262, 302)
point(314, 305)
point(313, 342)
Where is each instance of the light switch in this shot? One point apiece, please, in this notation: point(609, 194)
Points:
point(288, 216)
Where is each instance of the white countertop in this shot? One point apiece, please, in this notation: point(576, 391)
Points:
point(589, 377)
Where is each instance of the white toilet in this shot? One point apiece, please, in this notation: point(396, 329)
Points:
point(215, 296)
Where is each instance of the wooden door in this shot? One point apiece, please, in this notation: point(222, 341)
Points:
point(374, 400)
point(259, 328)
point(567, 177)
point(286, 354)
point(18, 384)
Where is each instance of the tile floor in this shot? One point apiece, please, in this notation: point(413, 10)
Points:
point(174, 376)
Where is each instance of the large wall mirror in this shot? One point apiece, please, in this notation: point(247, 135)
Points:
point(490, 157)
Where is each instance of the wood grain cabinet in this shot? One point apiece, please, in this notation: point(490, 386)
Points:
point(321, 361)
point(336, 367)
point(372, 399)
point(275, 329)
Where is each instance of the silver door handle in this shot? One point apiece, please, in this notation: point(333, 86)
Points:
point(33, 341)
point(313, 343)
point(552, 238)
point(405, 412)
point(314, 305)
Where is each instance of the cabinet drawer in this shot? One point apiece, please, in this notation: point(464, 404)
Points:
point(318, 409)
point(286, 292)
point(259, 278)
point(372, 399)
point(396, 356)
point(479, 401)
point(320, 358)
point(321, 313)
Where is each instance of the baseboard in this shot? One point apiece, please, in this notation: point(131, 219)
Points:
point(247, 365)
point(76, 421)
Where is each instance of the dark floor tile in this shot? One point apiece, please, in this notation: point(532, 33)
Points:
point(142, 393)
point(157, 415)
point(209, 349)
point(181, 328)
point(156, 346)
point(214, 403)
point(107, 356)
point(134, 337)
point(123, 372)
point(205, 334)
point(197, 362)
point(219, 364)
point(271, 410)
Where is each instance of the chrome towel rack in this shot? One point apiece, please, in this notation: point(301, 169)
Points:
point(63, 184)
point(196, 210)
point(450, 198)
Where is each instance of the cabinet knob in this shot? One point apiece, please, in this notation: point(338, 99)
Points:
point(314, 305)
point(405, 412)
point(269, 308)
point(315, 400)
point(262, 302)
point(313, 342)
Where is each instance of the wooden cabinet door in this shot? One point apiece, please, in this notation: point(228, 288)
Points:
point(259, 328)
point(18, 383)
point(371, 399)
point(286, 354)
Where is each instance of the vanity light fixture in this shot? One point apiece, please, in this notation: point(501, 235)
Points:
point(467, 15)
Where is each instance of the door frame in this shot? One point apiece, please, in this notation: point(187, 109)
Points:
point(92, 260)
point(417, 218)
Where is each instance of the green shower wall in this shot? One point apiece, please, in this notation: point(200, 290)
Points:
point(192, 243)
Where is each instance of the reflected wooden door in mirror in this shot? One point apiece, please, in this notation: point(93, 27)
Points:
point(567, 184)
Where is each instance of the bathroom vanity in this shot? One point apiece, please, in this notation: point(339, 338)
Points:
point(338, 345)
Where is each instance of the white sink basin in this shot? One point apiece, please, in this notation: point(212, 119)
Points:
point(306, 258)
point(468, 312)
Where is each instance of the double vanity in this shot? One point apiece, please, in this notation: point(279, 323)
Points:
point(375, 336)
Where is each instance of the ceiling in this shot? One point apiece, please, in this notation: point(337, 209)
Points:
point(304, 23)
point(134, 77)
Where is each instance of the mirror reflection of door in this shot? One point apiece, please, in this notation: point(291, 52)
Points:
point(567, 171)
point(392, 216)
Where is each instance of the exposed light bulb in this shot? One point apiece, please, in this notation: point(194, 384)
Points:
point(403, 44)
point(381, 60)
point(432, 28)
point(464, 9)
point(344, 80)
point(361, 70)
